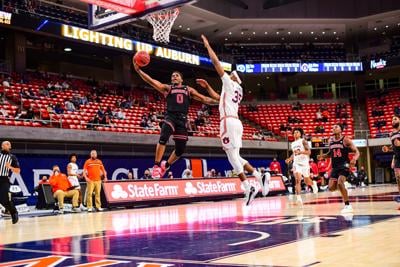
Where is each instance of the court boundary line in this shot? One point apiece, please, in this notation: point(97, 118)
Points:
point(397, 216)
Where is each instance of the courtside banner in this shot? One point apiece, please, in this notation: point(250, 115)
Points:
point(133, 191)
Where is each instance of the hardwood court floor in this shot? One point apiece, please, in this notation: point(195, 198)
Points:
point(268, 233)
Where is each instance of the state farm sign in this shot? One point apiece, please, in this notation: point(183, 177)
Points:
point(131, 191)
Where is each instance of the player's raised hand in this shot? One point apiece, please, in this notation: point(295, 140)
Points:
point(288, 160)
point(203, 83)
point(205, 40)
point(136, 67)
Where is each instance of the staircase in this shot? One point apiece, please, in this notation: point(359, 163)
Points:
point(360, 118)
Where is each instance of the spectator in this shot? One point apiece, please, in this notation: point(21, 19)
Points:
point(320, 129)
point(100, 112)
point(62, 188)
point(187, 174)
point(58, 109)
point(397, 110)
point(3, 112)
point(314, 170)
point(297, 106)
point(146, 175)
point(376, 112)
point(325, 115)
point(6, 83)
point(258, 136)
point(2, 98)
point(170, 175)
point(69, 106)
point(93, 171)
point(275, 166)
point(65, 85)
point(44, 92)
point(323, 170)
point(318, 115)
point(120, 115)
point(130, 176)
point(362, 176)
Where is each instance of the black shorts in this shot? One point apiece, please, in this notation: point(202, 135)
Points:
point(335, 173)
point(178, 124)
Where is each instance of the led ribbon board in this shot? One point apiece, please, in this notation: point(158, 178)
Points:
point(300, 67)
point(116, 42)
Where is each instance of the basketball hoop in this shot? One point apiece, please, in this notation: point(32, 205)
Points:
point(162, 22)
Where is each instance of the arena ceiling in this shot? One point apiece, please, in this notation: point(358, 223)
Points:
point(266, 21)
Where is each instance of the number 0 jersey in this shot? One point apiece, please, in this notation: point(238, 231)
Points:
point(231, 95)
point(178, 99)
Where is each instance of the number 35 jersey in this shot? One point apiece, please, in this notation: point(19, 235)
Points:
point(339, 153)
point(231, 95)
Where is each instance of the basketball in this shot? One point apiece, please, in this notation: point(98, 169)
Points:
point(141, 58)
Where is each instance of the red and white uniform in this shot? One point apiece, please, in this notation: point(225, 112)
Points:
point(300, 162)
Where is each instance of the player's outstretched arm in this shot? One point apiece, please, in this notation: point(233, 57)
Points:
point(203, 83)
point(353, 148)
point(202, 98)
point(161, 87)
point(214, 59)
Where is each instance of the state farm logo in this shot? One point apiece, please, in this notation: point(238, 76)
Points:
point(190, 189)
point(118, 192)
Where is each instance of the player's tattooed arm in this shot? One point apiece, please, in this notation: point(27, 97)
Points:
point(350, 144)
point(202, 98)
point(203, 83)
point(214, 59)
point(160, 87)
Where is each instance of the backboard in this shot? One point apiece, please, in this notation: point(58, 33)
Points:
point(104, 14)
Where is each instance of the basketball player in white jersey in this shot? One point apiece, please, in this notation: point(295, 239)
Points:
point(73, 176)
point(301, 166)
point(231, 128)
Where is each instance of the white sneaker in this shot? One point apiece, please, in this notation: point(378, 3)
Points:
point(265, 188)
point(314, 187)
point(347, 209)
point(83, 208)
point(77, 210)
point(60, 211)
point(90, 210)
point(250, 195)
point(99, 209)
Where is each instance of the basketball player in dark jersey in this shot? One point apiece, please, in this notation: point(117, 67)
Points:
point(178, 98)
point(339, 148)
point(395, 147)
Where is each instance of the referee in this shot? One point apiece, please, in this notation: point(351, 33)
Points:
point(8, 164)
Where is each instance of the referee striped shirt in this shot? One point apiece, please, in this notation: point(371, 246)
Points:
point(6, 157)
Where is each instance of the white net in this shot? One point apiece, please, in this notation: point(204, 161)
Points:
point(162, 22)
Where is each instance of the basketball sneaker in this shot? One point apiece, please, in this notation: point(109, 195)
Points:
point(314, 187)
point(163, 168)
point(250, 195)
point(264, 182)
point(156, 172)
point(347, 209)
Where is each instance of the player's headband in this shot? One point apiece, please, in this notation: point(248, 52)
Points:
point(239, 81)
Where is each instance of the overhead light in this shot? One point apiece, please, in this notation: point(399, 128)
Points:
point(230, 33)
point(226, 39)
point(180, 26)
point(242, 33)
point(334, 32)
point(387, 26)
point(67, 49)
point(323, 32)
point(188, 29)
point(312, 32)
point(258, 84)
point(300, 32)
point(315, 38)
point(254, 32)
point(289, 33)
point(277, 32)
point(265, 32)
point(375, 28)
